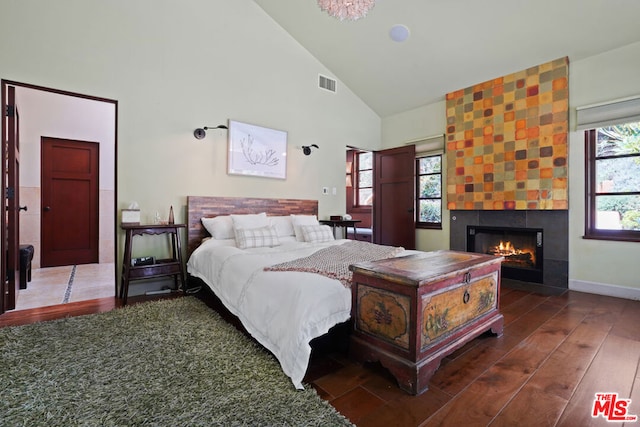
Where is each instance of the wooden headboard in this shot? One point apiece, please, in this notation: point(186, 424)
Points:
point(209, 207)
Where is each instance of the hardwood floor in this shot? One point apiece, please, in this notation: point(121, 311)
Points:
point(79, 308)
point(557, 351)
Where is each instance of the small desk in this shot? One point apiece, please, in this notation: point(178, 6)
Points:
point(164, 267)
point(344, 224)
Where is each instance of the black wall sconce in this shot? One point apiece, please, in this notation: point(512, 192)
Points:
point(306, 149)
point(201, 132)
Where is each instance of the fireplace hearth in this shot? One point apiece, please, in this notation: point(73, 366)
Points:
point(521, 249)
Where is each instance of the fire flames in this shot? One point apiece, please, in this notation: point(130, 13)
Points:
point(506, 248)
point(512, 254)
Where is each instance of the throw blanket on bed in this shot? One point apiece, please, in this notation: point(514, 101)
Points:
point(334, 261)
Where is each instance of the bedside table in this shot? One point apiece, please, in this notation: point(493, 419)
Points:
point(164, 267)
point(344, 224)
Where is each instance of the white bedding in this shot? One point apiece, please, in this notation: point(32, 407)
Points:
point(282, 310)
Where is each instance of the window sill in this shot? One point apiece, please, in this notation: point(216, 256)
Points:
point(618, 238)
point(429, 226)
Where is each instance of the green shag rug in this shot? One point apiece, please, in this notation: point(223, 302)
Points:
point(162, 363)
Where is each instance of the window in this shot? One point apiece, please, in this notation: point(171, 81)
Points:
point(429, 192)
point(613, 182)
point(364, 179)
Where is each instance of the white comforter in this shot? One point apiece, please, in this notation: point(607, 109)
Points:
point(282, 310)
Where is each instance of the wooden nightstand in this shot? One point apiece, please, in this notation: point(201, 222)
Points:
point(344, 224)
point(164, 267)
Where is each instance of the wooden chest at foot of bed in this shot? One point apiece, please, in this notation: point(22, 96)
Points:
point(410, 312)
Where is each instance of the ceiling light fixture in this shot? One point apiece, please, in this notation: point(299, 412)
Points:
point(351, 10)
point(399, 33)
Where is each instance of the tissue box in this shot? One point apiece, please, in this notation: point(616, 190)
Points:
point(131, 216)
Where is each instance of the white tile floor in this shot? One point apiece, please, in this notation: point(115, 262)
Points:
point(60, 285)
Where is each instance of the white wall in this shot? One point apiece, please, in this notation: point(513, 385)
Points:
point(597, 266)
point(174, 66)
point(425, 121)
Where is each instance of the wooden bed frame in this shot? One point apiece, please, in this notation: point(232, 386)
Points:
point(199, 207)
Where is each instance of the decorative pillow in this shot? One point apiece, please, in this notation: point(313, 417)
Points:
point(250, 220)
point(317, 233)
point(283, 225)
point(220, 227)
point(256, 237)
point(300, 220)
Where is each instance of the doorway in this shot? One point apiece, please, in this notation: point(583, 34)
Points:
point(381, 194)
point(47, 112)
point(359, 191)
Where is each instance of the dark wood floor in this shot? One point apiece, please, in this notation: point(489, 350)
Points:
point(557, 351)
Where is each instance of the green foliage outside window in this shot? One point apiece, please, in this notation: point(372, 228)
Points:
point(617, 176)
point(429, 190)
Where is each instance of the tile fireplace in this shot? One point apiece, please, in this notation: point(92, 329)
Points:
point(526, 227)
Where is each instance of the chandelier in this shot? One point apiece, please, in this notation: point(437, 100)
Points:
point(347, 9)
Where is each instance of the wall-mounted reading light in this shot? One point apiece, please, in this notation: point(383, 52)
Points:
point(306, 149)
point(201, 132)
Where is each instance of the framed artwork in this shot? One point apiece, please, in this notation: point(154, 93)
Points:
point(257, 151)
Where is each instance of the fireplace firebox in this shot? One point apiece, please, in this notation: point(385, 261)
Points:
point(521, 248)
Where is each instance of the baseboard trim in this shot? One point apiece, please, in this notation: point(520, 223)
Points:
point(604, 289)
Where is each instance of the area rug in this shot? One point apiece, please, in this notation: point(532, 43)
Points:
point(161, 363)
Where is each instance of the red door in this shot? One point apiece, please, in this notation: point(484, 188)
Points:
point(11, 202)
point(70, 218)
point(394, 194)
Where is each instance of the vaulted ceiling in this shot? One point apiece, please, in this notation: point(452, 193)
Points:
point(452, 43)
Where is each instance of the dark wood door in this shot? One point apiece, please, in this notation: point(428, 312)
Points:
point(394, 193)
point(70, 218)
point(11, 200)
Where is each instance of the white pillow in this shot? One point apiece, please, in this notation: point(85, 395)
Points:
point(287, 239)
point(283, 225)
point(220, 227)
point(250, 220)
point(256, 237)
point(299, 220)
point(317, 233)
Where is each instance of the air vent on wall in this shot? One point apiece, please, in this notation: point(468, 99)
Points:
point(326, 83)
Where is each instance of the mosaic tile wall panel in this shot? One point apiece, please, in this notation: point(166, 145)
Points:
point(507, 141)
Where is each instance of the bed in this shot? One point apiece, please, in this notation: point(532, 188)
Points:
point(265, 275)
